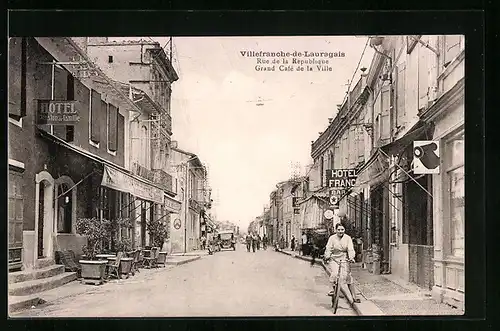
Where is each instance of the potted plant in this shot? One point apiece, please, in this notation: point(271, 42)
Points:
point(158, 231)
point(95, 231)
point(125, 245)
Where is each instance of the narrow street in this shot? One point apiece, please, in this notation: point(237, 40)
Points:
point(230, 283)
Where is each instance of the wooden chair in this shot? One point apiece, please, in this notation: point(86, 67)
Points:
point(135, 263)
point(150, 261)
point(114, 266)
point(162, 259)
point(68, 259)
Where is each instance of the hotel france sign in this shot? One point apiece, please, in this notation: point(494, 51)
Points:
point(57, 112)
point(341, 178)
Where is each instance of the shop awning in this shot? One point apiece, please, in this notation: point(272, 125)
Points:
point(419, 131)
point(373, 172)
point(171, 204)
point(121, 181)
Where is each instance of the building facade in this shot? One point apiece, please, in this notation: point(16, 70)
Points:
point(59, 168)
point(191, 184)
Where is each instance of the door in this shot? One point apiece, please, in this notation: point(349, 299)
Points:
point(15, 219)
point(41, 212)
point(418, 220)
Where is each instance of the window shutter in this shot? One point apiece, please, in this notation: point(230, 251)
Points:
point(385, 116)
point(121, 132)
point(112, 128)
point(95, 126)
point(361, 145)
point(15, 75)
point(400, 94)
point(376, 120)
point(423, 78)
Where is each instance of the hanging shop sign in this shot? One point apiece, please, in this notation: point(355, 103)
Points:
point(426, 157)
point(341, 178)
point(177, 224)
point(171, 204)
point(57, 112)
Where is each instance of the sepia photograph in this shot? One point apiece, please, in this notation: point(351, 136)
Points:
point(236, 176)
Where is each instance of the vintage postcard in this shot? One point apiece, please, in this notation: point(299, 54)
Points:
point(236, 176)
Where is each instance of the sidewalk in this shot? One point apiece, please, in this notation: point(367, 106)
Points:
point(74, 288)
point(387, 294)
point(192, 253)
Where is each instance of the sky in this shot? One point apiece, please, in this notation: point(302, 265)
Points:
point(248, 148)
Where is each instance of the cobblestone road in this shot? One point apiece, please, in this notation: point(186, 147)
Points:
point(229, 283)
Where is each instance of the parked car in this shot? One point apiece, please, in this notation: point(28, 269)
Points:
point(226, 240)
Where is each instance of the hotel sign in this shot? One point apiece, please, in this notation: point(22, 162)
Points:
point(57, 112)
point(341, 178)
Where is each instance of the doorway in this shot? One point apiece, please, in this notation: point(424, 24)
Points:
point(143, 223)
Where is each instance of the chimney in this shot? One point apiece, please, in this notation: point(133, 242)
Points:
point(175, 144)
point(330, 120)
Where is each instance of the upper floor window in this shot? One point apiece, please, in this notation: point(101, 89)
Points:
point(17, 78)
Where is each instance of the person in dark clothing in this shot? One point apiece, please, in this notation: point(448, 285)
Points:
point(254, 242)
point(248, 242)
point(292, 243)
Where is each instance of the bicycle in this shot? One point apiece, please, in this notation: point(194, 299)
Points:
point(336, 286)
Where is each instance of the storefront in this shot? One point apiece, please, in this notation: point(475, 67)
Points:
point(449, 197)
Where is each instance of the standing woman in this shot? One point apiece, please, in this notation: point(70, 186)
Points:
point(340, 247)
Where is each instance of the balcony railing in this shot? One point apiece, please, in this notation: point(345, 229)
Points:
point(157, 176)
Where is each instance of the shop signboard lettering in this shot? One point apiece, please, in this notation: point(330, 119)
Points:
point(341, 178)
point(57, 112)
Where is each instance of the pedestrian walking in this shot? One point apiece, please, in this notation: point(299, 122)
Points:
point(282, 242)
point(292, 243)
point(254, 242)
point(249, 242)
point(340, 247)
point(258, 241)
point(304, 247)
point(264, 241)
point(203, 242)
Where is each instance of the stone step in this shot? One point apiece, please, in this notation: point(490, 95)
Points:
point(17, 303)
point(26, 275)
point(40, 285)
point(44, 263)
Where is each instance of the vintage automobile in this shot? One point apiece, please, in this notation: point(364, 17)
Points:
point(227, 240)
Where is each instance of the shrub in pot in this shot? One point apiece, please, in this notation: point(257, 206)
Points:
point(95, 230)
point(125, 245)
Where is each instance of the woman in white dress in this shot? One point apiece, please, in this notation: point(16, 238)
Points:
point(341, 248)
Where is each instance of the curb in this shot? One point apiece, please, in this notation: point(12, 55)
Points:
point(176, 263)
point(364, 308)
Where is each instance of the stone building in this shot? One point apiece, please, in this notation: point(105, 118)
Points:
point(191, 185)
point(60, 165)
point(145, 73)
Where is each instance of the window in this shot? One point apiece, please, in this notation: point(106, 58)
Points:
point(17, 78)
point(423, 77)
point(70, 95)
point(95, 107)
point(455, 179)
point(64, 213)
point(110, 58)
point(112, 128)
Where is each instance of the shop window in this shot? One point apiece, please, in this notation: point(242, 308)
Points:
point(17, 78)
point(455, 178)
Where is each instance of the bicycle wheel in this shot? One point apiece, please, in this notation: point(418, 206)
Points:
point(335, 297)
